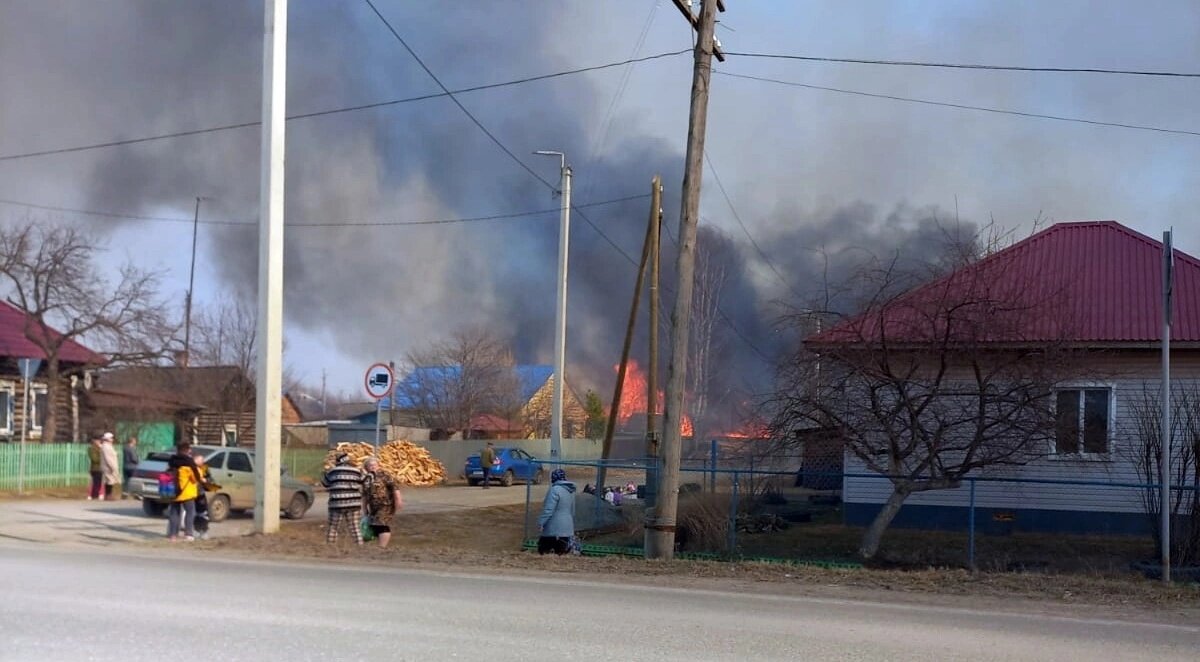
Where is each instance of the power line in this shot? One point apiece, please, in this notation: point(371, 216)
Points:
point(453, 98)
point(945, 104)
point(738, 218)
point(344, 109)
point(958, 65)
point(322, 224)
point(603, 235)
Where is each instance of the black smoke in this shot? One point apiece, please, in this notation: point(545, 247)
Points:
point(378, 291)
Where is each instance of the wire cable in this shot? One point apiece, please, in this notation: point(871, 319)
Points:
point(738, 218)
point(960, 106)
point(322, 224)
point(336, 111)
point(958, 65)
point(621, 251)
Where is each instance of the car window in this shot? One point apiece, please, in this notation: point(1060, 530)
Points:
point(215, 461)
point(239, 462)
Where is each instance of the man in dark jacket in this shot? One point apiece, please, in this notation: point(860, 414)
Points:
point(487, 457)
point(129, 465)
point(345, 484)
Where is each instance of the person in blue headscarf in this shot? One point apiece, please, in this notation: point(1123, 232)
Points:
point(557, 521)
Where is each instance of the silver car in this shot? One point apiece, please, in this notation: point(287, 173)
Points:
point(230, 467)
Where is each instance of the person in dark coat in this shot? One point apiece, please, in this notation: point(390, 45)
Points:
point(129, 466)
point(557, 521)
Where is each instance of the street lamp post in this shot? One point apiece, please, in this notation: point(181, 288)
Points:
point(560, 318)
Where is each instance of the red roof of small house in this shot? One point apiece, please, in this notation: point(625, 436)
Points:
point(493, 423)
point(14, 344)
point(1093, 282)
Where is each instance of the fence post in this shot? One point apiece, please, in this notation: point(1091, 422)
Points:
point(712, 463)
point(733, 512)
point(971, 529)
point(528, 498)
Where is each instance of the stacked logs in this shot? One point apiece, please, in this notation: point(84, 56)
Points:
point(406, 462)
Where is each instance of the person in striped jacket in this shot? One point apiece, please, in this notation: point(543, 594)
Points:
point(345, 484)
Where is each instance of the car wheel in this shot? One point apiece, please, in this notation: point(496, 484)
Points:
point(473, 482)
point(539, 476)
point(507, 480)
point(218, 508)
point(153, 508)
point(297, 506)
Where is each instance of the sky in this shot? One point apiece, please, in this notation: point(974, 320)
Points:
point(806, 170)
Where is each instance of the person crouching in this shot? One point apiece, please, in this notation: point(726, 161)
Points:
point(557, 521)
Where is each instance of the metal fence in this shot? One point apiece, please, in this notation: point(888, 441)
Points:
point(759, 508)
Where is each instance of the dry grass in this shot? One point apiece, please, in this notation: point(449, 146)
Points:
point(489, 538)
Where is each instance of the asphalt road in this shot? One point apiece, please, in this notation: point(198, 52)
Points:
point(119, 522)
point(58, 604)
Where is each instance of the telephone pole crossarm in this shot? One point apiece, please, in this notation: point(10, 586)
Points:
point(685, 8)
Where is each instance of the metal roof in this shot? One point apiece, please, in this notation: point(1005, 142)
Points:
point(1093, 282)
point(14, 344)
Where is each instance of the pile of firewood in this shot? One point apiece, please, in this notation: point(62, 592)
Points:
point(406, 462)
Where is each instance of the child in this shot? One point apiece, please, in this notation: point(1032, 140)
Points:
point(202, 499)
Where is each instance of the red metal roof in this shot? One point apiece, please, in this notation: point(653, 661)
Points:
point(14, 344)
point(1086, 282)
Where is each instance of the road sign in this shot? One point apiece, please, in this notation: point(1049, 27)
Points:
point(378, 381)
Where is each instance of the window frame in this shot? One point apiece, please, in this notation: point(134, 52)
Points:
point(226, 430)
point(1110, 431)
point(31, 416)
point(8, 424)
point(229, 460)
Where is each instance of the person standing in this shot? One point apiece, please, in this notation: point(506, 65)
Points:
point(383, 500)
point(109, 465)
point(181, 514)
point(345, 484)
point(557, 521)
point(131, 461)
point(94, 468)
point(487, 457)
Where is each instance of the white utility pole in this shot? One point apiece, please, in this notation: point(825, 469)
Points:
point(270, 271)
point(560, 318)
point(1168, 281)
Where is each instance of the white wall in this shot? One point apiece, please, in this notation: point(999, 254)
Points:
point(1129, 375)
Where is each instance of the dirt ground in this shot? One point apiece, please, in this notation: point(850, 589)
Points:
point(487, 539)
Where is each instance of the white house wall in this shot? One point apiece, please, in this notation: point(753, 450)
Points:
point(1129, 376)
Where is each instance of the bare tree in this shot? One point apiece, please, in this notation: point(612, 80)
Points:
point(1146, 456)
point(929, 384)
point(53, 277)
point(225, 334)
point(456, 379)
point(714, 257)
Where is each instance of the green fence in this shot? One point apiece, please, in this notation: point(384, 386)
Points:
point(66, 465)
point(46, 466)
point(307, 464)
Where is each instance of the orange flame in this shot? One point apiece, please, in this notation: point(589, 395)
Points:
point(634, 395)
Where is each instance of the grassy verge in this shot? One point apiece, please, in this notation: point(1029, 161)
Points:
point(490, 538)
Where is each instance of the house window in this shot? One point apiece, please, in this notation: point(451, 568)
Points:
point(1084, 421)
point(230, 435)
point(38, 408)
point(7, 391)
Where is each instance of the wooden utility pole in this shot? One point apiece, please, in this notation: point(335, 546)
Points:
point(187, 314)
point(660, 524)
point(606, 449)
point(652, 429)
